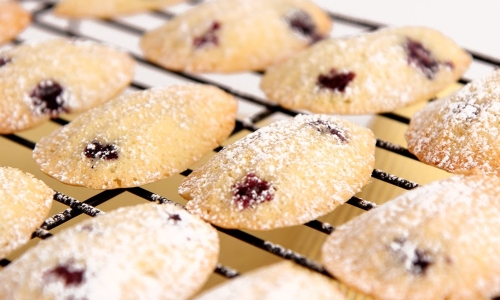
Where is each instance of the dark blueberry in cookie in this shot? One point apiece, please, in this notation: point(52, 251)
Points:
point(422, 58)
point(421, 261)
point(68, 273)
point(325, 127)
point(415, 260)
point(47, 98)
point(251, 191)
point(4, 61)
point(302, 23)
point(100, 151)
point(209, 38)
point(174, 217)
point(335, 81)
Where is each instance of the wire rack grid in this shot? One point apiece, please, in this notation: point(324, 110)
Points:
point(254, 112)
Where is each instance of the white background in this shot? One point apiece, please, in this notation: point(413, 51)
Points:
point(474, 25)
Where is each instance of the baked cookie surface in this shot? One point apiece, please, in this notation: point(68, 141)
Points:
point(24, 202)
point(107, 8)
point(438, 241)
point(367, 73)
point(138, 138)
point(284, 280)
point(460, 133)
point(235, 35)
point(284, 174)
point(148, 251)
point(13, 19)
point(41, 80)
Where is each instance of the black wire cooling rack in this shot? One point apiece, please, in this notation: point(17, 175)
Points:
point(254, 109)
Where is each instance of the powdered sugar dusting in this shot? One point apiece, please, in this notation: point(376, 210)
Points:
point(141, 127)
point(423, 243)
point(243, 40)
point(24, 202)
point(159, 251)
point(87, 72)
point(461, 132)
point(283, 280)
point(311, 172)
point(373, 67)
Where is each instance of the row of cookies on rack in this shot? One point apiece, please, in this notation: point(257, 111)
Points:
point(365, 78)
point(147, 251)
point(367, 73)
point(424, 244)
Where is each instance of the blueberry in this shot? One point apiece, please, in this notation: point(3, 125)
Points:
point(422, 58)
point(302, 23)
point(101, 151)
point(209, 38)
point(252, 191)
point(335, 81)
point(69, 274)
point(47, 98)
point(4, 61)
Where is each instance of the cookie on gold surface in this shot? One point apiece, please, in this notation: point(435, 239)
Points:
point(41, 80)
point(367, 73)
point(24, 204)
point(107, 8)
point(138, 138)
point(460, 133)
point(148, 251)
point(284, 280)
point(438, 241)
point(235, 35)
point(13, 19)
point(284, 174)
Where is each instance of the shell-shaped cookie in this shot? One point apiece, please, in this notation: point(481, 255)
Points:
point(439, 241)
point(284, 280)
point(284, 174)
point(24, 203)
point(367, 73)
point(13, 19)
point(235, 35)
point(148, 251)
point(138, 138)
point(41, 80)
point(460, 133)
point(107, 8)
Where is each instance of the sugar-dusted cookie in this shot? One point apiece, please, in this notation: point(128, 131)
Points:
point(460, 133)
point(439, 241)
point(148, 251)
point(41, 80)
point(24, 203)
point(284, 280)
point(13, 19)
point(367, 73)
point(107, 8)
point(284, 174)
point(138, 138)
point(236, 35)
